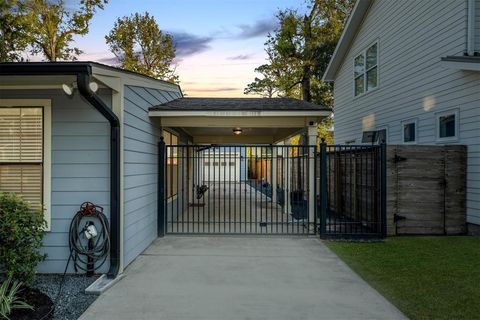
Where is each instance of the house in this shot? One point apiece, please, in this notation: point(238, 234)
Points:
point(81, 131)
point(408, 72)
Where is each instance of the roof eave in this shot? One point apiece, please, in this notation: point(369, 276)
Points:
point(44, 68)
point(239, 113)
point(349, 32)
point(73, 68)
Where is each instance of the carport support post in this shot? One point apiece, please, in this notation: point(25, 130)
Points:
point(312, 143)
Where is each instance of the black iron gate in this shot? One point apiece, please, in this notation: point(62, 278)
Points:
point(269, 189)
point(352, 197)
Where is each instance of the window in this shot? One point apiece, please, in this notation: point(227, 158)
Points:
point(365, 67)
point(172, 163)
point(409, 131)
point(25, 151)
point(447, 125)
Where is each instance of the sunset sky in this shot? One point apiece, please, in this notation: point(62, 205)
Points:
point(219, 42)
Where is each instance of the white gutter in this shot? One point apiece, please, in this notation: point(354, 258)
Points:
point(471, 28)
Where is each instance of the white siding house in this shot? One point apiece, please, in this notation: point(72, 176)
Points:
point(408, 67)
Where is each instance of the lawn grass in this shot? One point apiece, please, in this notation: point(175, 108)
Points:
point(425, 277)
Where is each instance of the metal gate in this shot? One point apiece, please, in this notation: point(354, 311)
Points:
point(237, 189)
point(353, 191)
point(270, 189)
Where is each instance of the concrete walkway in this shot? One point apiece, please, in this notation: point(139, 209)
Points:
point(244, 278)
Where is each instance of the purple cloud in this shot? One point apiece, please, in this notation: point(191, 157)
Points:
point(188, 44)
point(258, 29)
point(241, 57)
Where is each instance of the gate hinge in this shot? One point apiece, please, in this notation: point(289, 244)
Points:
point(398, 158)
point(397, 217)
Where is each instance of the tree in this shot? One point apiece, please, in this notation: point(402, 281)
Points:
point(262, 86)
point(301, 46)
point(14, 37)
point(52, 26)
point(141, 46)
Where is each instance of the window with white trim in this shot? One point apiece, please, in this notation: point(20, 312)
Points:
point(21, 152)
point(447, 125)
point(409, 131)
point(365, 70)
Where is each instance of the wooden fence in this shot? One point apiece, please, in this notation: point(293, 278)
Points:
point(426, 188)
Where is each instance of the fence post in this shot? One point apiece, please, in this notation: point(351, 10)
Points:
point(161, 189)
point(323, 187)
point(383, 187)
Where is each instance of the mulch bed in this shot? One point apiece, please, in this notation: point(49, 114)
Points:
point(41, 303)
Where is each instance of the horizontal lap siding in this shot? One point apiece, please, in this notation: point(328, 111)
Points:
point(80, 166)
point(141, 135)
point(413, 36)
point(477, 25)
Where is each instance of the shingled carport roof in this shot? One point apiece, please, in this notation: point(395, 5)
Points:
point(238, 104)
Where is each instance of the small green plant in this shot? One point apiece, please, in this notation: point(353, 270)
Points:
point(9, 299)
point(21, 232)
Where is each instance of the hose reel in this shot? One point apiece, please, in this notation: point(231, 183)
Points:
point(89, 238)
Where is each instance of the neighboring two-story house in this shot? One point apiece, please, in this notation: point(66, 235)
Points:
point(410, 71)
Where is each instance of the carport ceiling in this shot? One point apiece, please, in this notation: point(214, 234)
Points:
point(226, 131)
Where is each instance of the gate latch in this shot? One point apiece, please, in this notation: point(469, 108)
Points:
point(397, 217)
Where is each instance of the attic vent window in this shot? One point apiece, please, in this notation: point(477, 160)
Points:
point(365, 70)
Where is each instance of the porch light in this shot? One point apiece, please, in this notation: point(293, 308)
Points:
point(93, 86)
point(68, 89)
point(237, 131)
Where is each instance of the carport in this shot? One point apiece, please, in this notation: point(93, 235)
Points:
point(239, 172)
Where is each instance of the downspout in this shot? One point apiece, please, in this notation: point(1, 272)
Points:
point(471, 28)
point(83, 81)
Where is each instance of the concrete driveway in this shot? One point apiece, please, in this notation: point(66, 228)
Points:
point(240, 278)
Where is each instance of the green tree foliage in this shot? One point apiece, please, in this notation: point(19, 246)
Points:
point(301, 46)
point(262, 86)
point(53, 24)
point(21, 233)
point(141, 46)
point(325, 131)
point(14, 35)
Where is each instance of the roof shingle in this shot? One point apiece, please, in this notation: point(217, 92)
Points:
point(238, 104)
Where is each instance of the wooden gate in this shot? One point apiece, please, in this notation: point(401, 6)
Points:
point(426, 189)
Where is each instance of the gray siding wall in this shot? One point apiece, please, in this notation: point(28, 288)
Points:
point(477, 26)
point(413, 84)
point(80, 166)
point(141, 135)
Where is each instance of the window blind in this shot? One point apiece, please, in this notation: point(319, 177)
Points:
point(21, 152)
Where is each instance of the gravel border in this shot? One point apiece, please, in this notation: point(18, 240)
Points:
point(73, 301)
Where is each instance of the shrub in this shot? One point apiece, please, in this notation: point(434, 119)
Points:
point(9, 299)
point(21, 233)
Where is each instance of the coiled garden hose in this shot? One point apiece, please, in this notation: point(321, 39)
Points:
point(79, 251)
point(78, 242)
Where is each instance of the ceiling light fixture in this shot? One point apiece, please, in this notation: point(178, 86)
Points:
point(237, 131)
